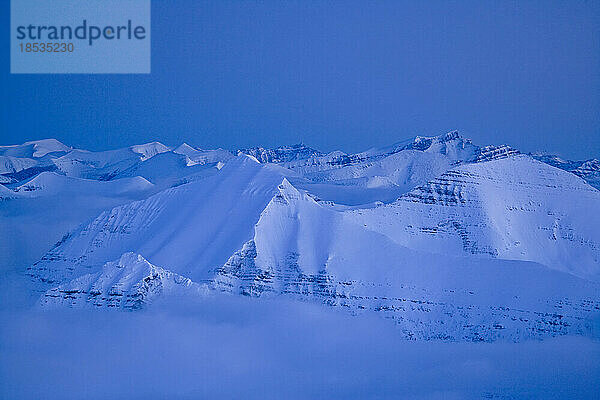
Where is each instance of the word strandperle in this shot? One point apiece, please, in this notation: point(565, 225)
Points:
point(82, 32)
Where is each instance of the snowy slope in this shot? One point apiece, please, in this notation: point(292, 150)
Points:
point(51, 183)
point(588, 170)
point(129, 283)
point(514, 208)
point(6, 193)
point(10, 164)
point(202, 157)
point(102, 165)
point(149, 150)
point(188, 229)
point(36, 148)
point(38, 212)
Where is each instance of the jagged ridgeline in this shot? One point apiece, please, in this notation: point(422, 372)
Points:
point(448, 239)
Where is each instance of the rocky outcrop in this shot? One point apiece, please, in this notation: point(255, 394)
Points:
point(131, 283)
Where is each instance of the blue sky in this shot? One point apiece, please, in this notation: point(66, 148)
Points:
point(335, 75)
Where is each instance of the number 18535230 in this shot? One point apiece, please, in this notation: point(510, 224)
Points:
point(49, 47)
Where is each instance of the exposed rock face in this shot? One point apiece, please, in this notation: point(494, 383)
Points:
point(281, 154)
point(241, 275)
point(470, 311)
point(489, 153)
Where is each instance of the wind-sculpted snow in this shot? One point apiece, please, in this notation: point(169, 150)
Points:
point(448, 239)
point(168, 170)
point(188, 229)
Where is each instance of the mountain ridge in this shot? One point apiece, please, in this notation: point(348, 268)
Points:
point(437, 234)
point(109, 164)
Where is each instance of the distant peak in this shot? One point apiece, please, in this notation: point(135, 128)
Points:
point(243, 158)
point(149, 145)
point(423, 143)
point(452, 135)
point(131, 258)
point(282, 153)
point(149, 150)
point(295, 146)
point(286, 193)
point(184, 145)
point(47, 142)
point(185, 149)
point(45, 146)
point(446, 137)
point(285, 185)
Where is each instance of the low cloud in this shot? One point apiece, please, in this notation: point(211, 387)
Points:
point(229, 347)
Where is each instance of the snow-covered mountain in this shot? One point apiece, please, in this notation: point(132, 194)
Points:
point(309, 251)
point(35, 149)
point(129, 283)
point(588, 169)
point(514, 208)
point(188, 229)
point(449, 239)
point(283, 154)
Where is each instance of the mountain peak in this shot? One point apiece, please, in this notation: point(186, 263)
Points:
point(287, 190)
point(446, 137)
point(149, 150)
point(282, 153)
point(425, 142)
point(185, 148)
point(450, 136)
point(129, 283)
point(588, 169)
point(130, 258)
point(35, 148)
